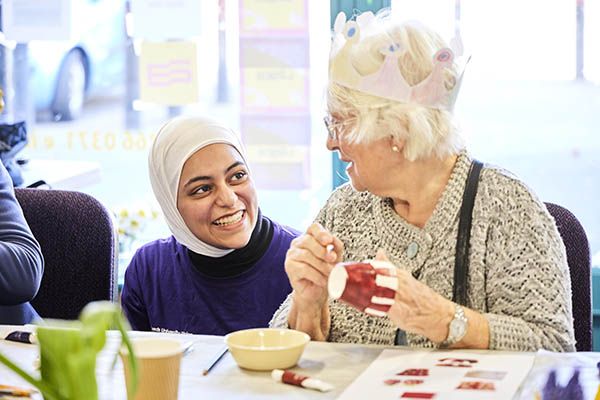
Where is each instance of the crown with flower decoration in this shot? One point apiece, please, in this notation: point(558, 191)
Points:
point(387, 81)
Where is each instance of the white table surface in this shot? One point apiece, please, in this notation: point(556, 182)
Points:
point(335, 363)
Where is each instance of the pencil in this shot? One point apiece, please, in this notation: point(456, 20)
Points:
point(6, 390)
point(215, 360)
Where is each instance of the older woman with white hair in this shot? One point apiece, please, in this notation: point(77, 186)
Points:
point(415, 197)
point(223, 268)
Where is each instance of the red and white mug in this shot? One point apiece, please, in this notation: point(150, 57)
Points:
point(369, 286)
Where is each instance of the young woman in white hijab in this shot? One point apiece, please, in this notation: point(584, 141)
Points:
point(222, 269)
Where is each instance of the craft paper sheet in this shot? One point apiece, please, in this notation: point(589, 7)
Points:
point(586, 364)
point(404, 374)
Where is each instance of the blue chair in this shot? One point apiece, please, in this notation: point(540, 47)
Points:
point(578, 258)
point(80, 248)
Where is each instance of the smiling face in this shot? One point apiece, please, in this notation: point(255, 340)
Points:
point(216, 197)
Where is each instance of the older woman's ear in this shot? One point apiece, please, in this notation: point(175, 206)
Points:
point(397, 145)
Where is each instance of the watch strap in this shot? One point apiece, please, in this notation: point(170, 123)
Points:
point(461, 318)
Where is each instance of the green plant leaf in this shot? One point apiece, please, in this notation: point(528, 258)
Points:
point(43, 387)
point(123, 325)
point(68, 353)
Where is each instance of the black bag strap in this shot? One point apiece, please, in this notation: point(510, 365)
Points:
point(461, 260)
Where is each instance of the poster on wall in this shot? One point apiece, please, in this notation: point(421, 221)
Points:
point(274, 74)
point(281, 17)
point(262, 89)
point(149, 22)
point(275, 92)
point(26, 20)
point(278, 148)
point(168, 73)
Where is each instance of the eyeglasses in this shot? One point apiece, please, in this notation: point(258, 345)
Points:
point(333, 127)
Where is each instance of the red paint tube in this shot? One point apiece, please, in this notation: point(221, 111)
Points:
point(292, 378)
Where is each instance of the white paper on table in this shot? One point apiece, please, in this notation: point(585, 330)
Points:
point(501, 373)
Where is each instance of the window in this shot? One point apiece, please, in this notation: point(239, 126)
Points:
point(529, 101)
point(522, 105)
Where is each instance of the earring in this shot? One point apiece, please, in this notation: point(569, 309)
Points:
point(395, 149)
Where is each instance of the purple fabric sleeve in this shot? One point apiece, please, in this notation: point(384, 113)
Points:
point(21, 262)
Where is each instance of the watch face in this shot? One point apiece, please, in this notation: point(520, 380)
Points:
point(457, 329)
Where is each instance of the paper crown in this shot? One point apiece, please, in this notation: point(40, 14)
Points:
point(387, 81)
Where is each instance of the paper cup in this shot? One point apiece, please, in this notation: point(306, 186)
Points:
point(368, 286)
point(158, 366)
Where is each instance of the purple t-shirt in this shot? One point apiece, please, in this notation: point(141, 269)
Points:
point(163, 291)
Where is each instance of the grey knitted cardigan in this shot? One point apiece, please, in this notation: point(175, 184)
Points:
point(518, 276)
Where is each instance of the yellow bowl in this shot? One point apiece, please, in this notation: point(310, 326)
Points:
point(263, 349)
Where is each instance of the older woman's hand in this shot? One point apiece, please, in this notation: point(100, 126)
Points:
point(308, 263)
point(418, 308)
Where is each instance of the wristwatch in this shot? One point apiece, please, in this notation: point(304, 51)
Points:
point(458, 327)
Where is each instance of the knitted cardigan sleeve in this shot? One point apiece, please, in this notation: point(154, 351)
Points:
point(528, 293)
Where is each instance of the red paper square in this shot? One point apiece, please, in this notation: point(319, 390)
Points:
point(417, 395)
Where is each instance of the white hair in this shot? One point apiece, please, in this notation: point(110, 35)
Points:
point(425, 131)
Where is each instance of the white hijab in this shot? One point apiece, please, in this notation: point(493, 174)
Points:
point(175, 142)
